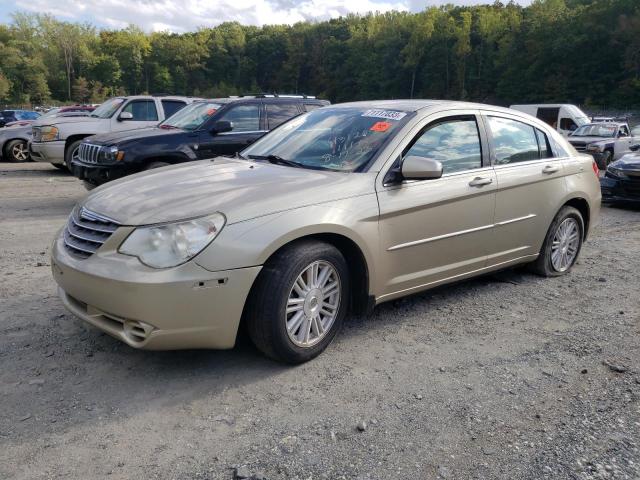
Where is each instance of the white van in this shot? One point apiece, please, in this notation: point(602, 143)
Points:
point(565, 118)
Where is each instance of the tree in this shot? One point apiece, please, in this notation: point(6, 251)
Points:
point(80, 90)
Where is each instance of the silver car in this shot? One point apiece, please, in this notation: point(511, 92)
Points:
point(333, 212)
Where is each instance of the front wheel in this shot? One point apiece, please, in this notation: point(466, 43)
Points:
point(17, 151)
point(299, 301)
point(71, 153)
point(604, 160)
point(562, 244)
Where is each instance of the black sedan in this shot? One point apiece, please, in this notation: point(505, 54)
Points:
point(621, 181)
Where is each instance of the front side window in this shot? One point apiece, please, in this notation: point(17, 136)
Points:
point(567, 124)
point(280, 113)
point(513, 141)
point(192, 116)
point(453, 142)
point(624, 131)
point(142, 110)
point(245, 118)
point(342, 139)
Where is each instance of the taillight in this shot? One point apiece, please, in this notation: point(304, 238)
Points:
point(596, 170)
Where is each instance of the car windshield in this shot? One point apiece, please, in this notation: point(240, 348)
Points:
point(108, 108)
point(596, 130)
point(341, 139)
point(191, 116)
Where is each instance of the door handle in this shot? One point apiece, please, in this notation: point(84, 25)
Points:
point(550, 169)
point(480, 181)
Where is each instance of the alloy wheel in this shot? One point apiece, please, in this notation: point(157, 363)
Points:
point(19, 152)
point(566, 242)
point(313, 304)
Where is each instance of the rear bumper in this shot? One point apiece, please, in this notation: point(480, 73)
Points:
point(165, 309)
point(49, 152)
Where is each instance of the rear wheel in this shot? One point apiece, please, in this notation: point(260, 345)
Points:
point(299, 301)
point(562, 244)
point(17, 151)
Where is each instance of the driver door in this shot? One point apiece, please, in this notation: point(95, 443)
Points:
point(144, 114)
point(623, 142)
point(439, 229)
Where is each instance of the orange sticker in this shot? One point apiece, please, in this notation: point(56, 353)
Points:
point(211, 111)
point(380, 127)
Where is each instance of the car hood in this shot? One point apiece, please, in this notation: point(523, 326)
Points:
point(588, 140)
point(118, 138)
point(239, 189)
point(65, 120)
point(630, 161)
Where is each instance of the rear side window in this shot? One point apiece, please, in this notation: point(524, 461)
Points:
point(513, 141)
point(549, 115)
point(543, 145)
point(309, 107)
point(278, 113)
point(245, 118)
point(171, 106)
point(142, 110)
point(454, 142)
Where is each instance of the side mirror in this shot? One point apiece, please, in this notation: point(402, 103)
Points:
point(221, 127)
point(635, 148)
point(125, 116)
point(420, 168)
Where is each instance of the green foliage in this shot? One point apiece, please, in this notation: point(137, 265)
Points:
point(576, 51)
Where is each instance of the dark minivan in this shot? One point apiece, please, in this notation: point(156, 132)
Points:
point(204, 129)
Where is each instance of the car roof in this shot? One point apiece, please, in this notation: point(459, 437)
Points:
point(413, 105)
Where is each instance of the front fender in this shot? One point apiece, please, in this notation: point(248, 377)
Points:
point(250, 243)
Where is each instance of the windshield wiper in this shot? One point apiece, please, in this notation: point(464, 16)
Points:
point(275, 159)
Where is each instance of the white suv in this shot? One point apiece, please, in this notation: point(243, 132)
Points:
point(57, 142)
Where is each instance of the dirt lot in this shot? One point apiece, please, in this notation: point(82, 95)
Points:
point(510, 376)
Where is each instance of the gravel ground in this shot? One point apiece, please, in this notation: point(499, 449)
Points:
point(509, 376)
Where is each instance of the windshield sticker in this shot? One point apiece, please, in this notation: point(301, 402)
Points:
point(380, 127)
point(211, 111)
point(388, 114)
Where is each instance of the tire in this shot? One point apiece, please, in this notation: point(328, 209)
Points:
point(546, 264)
point(69, 154)
point(17, 151)
point(153, 165)
point(277, 287)
point(604, 161)
point(60, 166)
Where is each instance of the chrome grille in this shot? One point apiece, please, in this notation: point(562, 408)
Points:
point(86, 232)
point(88, 153)
point(36, 132)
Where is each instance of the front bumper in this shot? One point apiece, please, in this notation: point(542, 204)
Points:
point(619, 190)
point(176, 308)
point(49, 152)
point(99, 174)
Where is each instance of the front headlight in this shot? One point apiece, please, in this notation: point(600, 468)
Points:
point(49, 133)
point(112, 154)
point(169, 245)
point(616, 172)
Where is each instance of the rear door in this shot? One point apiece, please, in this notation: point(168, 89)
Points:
point(531, 185)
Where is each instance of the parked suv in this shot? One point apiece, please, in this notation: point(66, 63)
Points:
point(57, 141)
point(605, 141)
point(9, 116)
point(337, 210)
point(204, 129)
